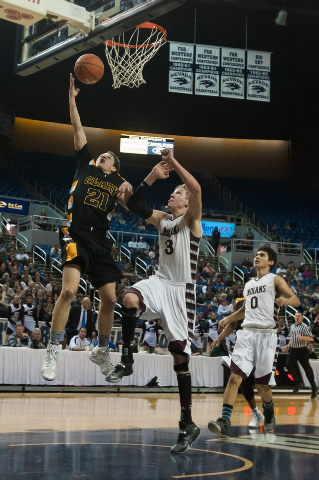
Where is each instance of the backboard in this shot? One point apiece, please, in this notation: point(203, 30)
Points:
point(57, 37)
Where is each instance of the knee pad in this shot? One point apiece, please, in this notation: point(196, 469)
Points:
point(130, 312)
point(247, 389)
point(182, 367)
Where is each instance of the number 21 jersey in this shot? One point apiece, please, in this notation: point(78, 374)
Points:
point(261, 311)
point(178, 250)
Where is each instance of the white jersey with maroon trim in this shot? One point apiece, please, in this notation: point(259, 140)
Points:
point(261, 311)
point(178, 251)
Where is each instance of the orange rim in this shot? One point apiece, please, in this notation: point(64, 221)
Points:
point(111, 43)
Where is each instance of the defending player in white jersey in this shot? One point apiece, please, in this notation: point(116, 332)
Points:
point(257, 343)
point(170, 293)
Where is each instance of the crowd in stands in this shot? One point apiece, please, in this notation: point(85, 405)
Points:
point(24, 286)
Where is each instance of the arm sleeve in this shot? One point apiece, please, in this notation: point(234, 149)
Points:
point(73, 343)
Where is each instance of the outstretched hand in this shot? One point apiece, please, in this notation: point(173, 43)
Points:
point(167, 156)
point(73, 92)
point(125, 187)
point(162, 170)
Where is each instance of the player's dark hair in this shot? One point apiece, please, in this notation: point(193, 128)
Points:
point(117, 163)
point(272, 255)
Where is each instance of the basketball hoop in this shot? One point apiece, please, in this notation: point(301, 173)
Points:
point(127, 58)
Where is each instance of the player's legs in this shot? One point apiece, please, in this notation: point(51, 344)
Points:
point(131, 304)
point(100, 354)
point(70, 283)
point(247, 388)
point(303, 358)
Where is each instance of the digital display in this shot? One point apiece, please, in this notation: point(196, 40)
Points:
point(12, 205)
point(145, 145)
point(225, 229)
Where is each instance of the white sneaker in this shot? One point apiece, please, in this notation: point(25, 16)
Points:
point(49, 367)
point(256, 420)
point(101, 356)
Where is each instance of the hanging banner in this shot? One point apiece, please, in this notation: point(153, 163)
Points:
point(258, 76)
point(233, 73)
point(181, 65)
point(207, 70)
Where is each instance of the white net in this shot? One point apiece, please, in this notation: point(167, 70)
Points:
point(128, 58)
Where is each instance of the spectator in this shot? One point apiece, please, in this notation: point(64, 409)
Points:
point(307, 293)
point(215, 240)
point(26, 281)
point(55, 290)
point(36, 339)
point(55, 245)
point(315, 328)
point(50, 285)
point(247, 263)
point(215, 302)
point(29, 312)
point(142, 244)
point(250, 234)
point(200, 301)
point(37, 278)
point(127, 271)
point(208, 270)
point(229, 281)
point(18, 338)
point(209, 294)
point(139, 225)
point(288, 226)
point(3, 249)
point(42, 221)
point(151, 269)
point(196, 339)
point(299, 288)
point(288, 247)
point(208, 311)
point(315, 295)
point(14, 316)
point(80, 316)
point(6, 298)
point(3, 269)
point(22, 257)
point(246, 243)
point(311, 351)
point(281, 270)
point(56, 255)
point(79, 342)
point(46, 311)
point(40, 300)
point(132, 243)
point(234, 236)
point(307, 273)
point(224, 309)
point(275, 227)
point(212, 325)
point(250, 274)
point(306, 307)
point(298, 275)
point(282, 331)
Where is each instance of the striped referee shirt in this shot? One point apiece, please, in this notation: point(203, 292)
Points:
point(303, 330)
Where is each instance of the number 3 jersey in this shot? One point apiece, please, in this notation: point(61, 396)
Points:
point(178, 251)
point(261, 311)
point(93, 194)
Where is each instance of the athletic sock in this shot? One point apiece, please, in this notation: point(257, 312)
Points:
point(103, 340)
point(55, 338)
point(185, 395)
point(268, 406)
point(128, 329)
point(227, 411)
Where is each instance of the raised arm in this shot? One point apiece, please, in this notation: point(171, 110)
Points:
point(79, 135)
point(194, 213)
point(136, 203)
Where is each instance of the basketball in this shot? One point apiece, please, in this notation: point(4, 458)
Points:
point(89, 69)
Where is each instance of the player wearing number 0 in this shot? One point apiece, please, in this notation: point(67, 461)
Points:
point(96, 189)
point(170, 293)
point(257, 343)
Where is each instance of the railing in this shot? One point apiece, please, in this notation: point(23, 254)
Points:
point(307, 257)
point(124, 252)
point(42, 257)
point(83, 285)
point(249, 246)
point(139, 263)
point(118, 236)
point(208, 249)
point(35, 222)
point(23, 240)
point(227, 195)
point(291, 312)
point(217, 186)
point(237, 272)
point(222, 261)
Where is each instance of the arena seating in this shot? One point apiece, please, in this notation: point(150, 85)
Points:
point(11, 187)
point(274, 202)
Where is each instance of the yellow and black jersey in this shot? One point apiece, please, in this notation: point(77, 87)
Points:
point(92, 195)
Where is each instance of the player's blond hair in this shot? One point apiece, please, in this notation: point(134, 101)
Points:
point(185, 188)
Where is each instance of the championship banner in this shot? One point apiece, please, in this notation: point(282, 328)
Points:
point(233, 73)
point(207, 70)
point(258, 76)
point(181, 62)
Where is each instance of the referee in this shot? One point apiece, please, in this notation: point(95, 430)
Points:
point(300, 335)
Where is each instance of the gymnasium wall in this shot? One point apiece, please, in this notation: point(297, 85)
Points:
point(225, 157)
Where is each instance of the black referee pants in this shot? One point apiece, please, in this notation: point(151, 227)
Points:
point(302, 356)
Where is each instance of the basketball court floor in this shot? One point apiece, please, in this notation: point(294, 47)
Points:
point(120, 436)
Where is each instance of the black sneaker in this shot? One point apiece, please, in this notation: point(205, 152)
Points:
point(187, 434)
point(122, 369)
point(269, 419)
point(221, 427)
point(315, 392)
point(297, 387)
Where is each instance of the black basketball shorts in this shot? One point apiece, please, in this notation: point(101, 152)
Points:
point(93, 253)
